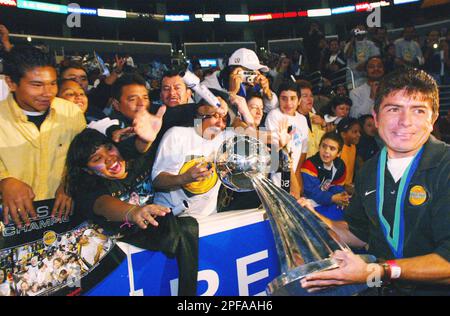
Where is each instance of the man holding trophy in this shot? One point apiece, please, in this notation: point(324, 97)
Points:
point(400, 207)
point(399, 211)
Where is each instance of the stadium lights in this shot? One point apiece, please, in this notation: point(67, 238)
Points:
point(319, 12)
point(64, 9)
point(8, 3)
point(363, 7)
point(81, 10)
point(380, 4)
point(157, 17)
point(42, 6)
point(340, 10)
point(207, 17)
point(237, 17)
point(289, 14)
point(277, 15)
point(107, 13)
point(272, 16)
point(134, 15)
point(260, 17)
point(177, 18)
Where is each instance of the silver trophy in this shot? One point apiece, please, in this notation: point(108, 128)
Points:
point(303, 241)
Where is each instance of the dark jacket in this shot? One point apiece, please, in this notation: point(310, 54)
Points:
point(426, 220)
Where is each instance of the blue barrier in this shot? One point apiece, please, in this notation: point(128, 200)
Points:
point(237, 257)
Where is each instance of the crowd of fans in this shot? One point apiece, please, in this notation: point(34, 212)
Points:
point(138, 150)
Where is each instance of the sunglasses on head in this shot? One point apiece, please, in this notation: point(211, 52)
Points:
point(215, 115)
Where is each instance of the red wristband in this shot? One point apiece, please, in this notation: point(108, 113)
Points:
point(396, 270)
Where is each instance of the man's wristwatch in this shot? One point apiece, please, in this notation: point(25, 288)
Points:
point(386, 279)
point(391, 270)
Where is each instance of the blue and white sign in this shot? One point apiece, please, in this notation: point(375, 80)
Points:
point(237, 258)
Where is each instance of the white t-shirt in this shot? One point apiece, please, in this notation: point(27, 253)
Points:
point(299, 142)
point(362, 103)
point(89, 251)
point(178, 146)
point(397, 166)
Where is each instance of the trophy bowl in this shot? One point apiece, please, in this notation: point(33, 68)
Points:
point(303, 241)
point(239, 159)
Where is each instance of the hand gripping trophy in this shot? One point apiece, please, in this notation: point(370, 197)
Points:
point(304, 244)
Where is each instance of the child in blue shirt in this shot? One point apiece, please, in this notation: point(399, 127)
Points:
point(323, 178)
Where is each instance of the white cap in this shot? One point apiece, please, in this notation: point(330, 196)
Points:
point(246, 58)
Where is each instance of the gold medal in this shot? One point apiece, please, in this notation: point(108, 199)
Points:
point(417, 195)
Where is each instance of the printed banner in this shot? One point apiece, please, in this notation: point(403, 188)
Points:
point(52, 257)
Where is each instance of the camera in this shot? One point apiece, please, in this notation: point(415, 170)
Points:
point(437, 45)
point(357, 32)
point(248, 76)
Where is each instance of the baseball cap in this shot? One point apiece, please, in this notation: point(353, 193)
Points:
point(345, 124)
point(246, 58)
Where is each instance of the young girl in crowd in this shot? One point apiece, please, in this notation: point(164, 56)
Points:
point(71, 91)
point(350, 131)
point(367, 146)
point(111, 185)
point(323, 178)
point(337, 109)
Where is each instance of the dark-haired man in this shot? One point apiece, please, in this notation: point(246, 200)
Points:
point(98, 96)
point(174, 91)
point(37, 129)
point(407, 50)
point(184, 172)
point(363, 97)
point(400, 205)
point(358, 50)
point(130, 95)
point(131, 102)
point(287, 114)
point(76, 72)
point(176, 96)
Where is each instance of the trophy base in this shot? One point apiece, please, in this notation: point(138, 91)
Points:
point(288, 284)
